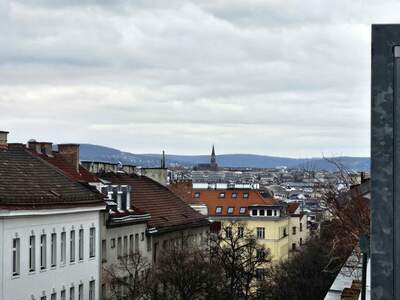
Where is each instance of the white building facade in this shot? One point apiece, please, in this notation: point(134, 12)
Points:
point(50, 254)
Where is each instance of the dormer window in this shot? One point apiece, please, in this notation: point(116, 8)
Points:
point(218, 210)
point(262, 212)
point(269, 212)
point(197, 195)
point(245, 195)
point(221, 195)
point(254, 212)
point(234, 195)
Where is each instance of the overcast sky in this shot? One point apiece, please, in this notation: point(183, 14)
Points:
point(268, 77)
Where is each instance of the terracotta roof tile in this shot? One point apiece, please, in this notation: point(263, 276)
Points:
point(232, 198)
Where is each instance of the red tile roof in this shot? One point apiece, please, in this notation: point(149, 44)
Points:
point(213, 200)
point(57, 160)
point(28, 182)
point(291, 208)
point(184, 190)
point(166, 209)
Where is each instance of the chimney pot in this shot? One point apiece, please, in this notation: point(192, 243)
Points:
point(70, 152)
point(3, 139)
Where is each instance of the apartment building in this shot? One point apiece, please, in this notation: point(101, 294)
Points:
point(299, 231)
point(172, 221)
point(49, 230)
point(260, 213)
point(122, 225)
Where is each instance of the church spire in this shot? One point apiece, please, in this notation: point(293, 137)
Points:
point(213, 157)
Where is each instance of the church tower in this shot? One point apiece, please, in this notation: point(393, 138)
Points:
point(213, 160)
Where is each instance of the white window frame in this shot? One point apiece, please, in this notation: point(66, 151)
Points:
point(92, 242)
point(72, 246)
point(53, 249)
point(63, 241)
point(32, 253)
point(81, 247)
point(43, 251)
point(261, 233)
point(16, 256)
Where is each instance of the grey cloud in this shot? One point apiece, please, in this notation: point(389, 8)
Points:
point(259, 76)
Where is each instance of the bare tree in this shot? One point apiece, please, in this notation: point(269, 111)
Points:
point(130, 278)
point(240, 258)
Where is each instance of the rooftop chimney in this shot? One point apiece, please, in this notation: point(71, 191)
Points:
point(70, 152)
point(46, 148)
point(3, 139)
point(34, 146)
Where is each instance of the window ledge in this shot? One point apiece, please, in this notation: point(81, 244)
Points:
point(16, 276)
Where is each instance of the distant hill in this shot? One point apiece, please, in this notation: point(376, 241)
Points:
point(101, 153)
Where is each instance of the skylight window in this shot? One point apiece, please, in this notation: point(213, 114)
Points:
point(218, 210)
point(230, 210)
point(234, 195)
point(242, 210)
point(246, 195)
point(221, 195)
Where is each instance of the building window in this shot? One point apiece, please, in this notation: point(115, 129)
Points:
point(228, 232)
point(72, 293)
point(43, 252)
point(260, 232)
point(112, 242)
point(92, 242)
point(80, 292)
point(294, 246)
point(294, 230)
point(32, 253)
point(242, 210)
point(72, 246)
point(62, 295)
point(269, 212)
point(245, 195)
point(92, 285)
point(43, 298)
point(221, 195)
point(119, 247)
point(16, 256)
point(254, 212)
point(142, 236)
point(125, 245)
point(148, 243)
point(301, 241)
point(284, 232)
point(53, 249)
point(63, 247)
point(137, 242)
point(260, 254)
point(230, 210)
point(197, 195)
point(218, 210)
point(103, 251)
point(80, 244)
point(262, 212)
point(53, 296)
point(260, 274)
point(234, 195)
point(301, 227)
point(240, 232)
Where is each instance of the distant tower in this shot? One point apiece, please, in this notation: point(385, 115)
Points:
point(213, 160)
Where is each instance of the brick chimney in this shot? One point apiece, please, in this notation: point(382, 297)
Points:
point(34, 146)
point(70, 152)
point(46, 148)
point(3, 139)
